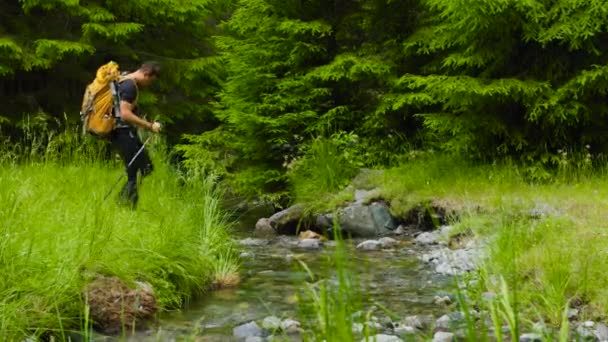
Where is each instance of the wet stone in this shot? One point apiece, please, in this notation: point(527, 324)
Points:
point(442, 336)
point(247, 330)
point(369, 245)
point(309, 244)
point(427, 238)
point(601, 332)
point(418, 322)
point(585, 333)
point(388, 242)
point(290, 326)
point(449, 321)
point(271, 323)
point(530, 337)
point(401, 330)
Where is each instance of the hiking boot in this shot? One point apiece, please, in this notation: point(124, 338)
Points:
point(128, 194)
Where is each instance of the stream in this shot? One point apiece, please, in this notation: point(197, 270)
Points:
point(272, 276)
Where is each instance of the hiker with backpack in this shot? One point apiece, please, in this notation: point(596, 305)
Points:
point(109, 110)
point(124, 137)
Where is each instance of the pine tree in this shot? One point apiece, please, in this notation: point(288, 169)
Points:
point(49, 51)
point(520, 78)
point(297, 70)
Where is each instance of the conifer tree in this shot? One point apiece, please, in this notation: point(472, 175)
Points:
point(49, 50)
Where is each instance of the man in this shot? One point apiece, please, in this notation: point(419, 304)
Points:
point(124, 138)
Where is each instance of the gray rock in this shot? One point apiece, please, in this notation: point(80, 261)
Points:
point(290, 326)
point(530, 337)
point(588, 324)
point(374, 326)
point(286, 221)
point(271, 323)
point(426, 238)
point(400, 230)
point(366, 220)
point(442, 300)
point(245, 255)
point(309, 244)
point(263, 228)
point(586, 333)
point(361, 196)
point(452, 262)
point(369, 245)
point(388, 242)
point(442, 336)
point(572, 313)
point(383, 338)
point(323, 221)
point(247, 330)
point(601, 332)
point(449, 321)
point(401, 329)
point(289, 257)
point(418, 322)
point(357, 328)
point(253, 242)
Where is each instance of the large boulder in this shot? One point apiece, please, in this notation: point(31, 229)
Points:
point(366, 220)
point(114, 305)
point(289, 220)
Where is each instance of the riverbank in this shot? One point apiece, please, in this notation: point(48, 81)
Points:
point(544, 238)
point(72, 262)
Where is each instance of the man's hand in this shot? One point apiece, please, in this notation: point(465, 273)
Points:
point(155, 127)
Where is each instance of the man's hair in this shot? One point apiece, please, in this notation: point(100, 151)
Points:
point(150, 68)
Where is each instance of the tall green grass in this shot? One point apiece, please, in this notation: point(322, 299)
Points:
point(546, 232)
point(57, 233)
point(546, 239)
point(330, 306)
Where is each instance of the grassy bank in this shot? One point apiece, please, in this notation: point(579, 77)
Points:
point(546, 231)
point(57, 234)
point(547, 240)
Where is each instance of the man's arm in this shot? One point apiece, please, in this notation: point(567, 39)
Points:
point(126, 112)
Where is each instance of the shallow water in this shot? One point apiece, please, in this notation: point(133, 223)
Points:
point(271, 277)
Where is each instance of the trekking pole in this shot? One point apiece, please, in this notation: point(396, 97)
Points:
point(128, 166)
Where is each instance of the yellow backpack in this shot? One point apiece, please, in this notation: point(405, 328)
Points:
point(100, 98)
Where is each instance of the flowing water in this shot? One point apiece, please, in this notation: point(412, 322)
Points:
point(272, 276)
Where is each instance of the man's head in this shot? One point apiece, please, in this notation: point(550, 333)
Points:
point(147, 73)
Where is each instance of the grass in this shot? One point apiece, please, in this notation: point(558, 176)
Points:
point(329, 307)
point(546, 233)
point(546, 240)
point(57, 234)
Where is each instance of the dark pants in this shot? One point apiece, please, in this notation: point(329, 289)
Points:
point(127, 143)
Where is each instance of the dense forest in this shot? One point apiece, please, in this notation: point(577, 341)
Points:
point(249, 86)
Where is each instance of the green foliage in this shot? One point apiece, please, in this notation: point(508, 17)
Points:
point(325, 168)
point(58, 234)
point(329, 307)
point(510, 77)
point(50, 50)
point(299, 70)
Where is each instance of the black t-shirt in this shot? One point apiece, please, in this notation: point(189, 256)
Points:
point(127, 90)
